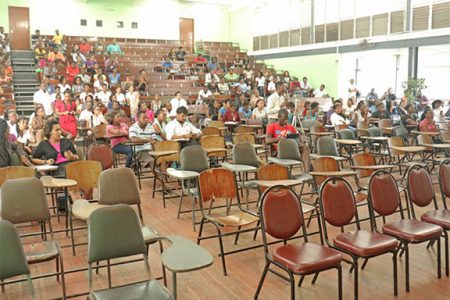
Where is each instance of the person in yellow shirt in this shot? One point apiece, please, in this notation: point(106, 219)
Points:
point(57, 39)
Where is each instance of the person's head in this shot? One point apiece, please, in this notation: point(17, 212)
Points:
point(337, 107)
point(115, 105)
point(161, 115)
point(283, 116)
point(182, 112)
point(205, 88)
point(104, 87)
point(52, 130)
point(12, 116)
point(62, 80)
point(118, 90)
point(409, 108)
point(380, 107)
point(114, 118)
point(37, 32)
point(246, 105)
point(350, 102)
point(113, 97)
point(142, 119)
point(437, 104)
point(157, 97)
point(43, 87)
point(143, 106)
point(307, 105)
point(315, 106)
point(22, 123)
point(89, 98)
point(352, 81)
point(290, 106)
point(428, 113)
point(180, 48)
point(389, 91)
point(89, 105)
point(39, 111)
point(361, 106)
point(57, 31)
point(286, 74)
point(322, 87)
point(279, 88)
point(178, 95)
point(97, 109)
point(305, 79)
point(67, 96)
point(168, 106)
point(260, 104)
point(232, 106)
point(222, 80)
point(77, 81)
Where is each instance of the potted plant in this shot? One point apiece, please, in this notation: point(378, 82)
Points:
point(413, 88)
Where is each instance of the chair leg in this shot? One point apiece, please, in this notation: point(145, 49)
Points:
point(439, 258)
point(256, 230)
point(63, 280)
point(302, 277)
point(161, 250)
point(340, 282)
point(446, 253)
point(193, 212)
point(163, 187)
point(291, 276)
point(179, 206)
point(261, 281)
point(109, 273)
point(72, 232)
point(57, 268)
point(222, 256)
point(364, 263)
point(237, 236)
point(406, 267)
point(200, 231)
point(355, 288)
point(315, 278)
point(394, 265)
point(154, 184)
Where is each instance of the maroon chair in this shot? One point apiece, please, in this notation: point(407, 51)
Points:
point(421, 193)
point(338, 208)
point(102, 153)
point(384, 200)
point(281, 216)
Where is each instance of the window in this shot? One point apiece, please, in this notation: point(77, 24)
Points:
point(99, 23)
point(134, 25)
point(83, 22)
point(119, 24)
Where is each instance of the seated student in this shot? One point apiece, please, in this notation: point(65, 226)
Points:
point(231, 76)
point(119, 134)
point(231, 115)
point(56, 56)
point(77, 55)
point(167, 64)
point(24, 136)
point(104, 94)
point(409, 118)
point(111, 63)
point(85, 47)
point(90, 63)
point(282, 130)
point(438, 110)
point(290, 106)
point(177, 102)
point(313, 112)
point(213, 87)
point(427, 123)
point(12, 122)
point(55, 150)
point(86, 115)
point(223, 86)
point(245, 112)
point(159, 124)
point(337, 118)
point(40, 54)
point(200, 59)
point(38, 123)
point(204, 95)
point(212, 64)
point(381, 112)
point(223, 109)
point(114, 77)
point(78, 86)
point(114, 48)
point(98, 117)
point(116, 107)
point(63, 84)
point(49, 70)
point(144, 107)
point(242, 85)
point(10, 154)
point(306, 107)
point(180, 54)
point(260, 111)
point(179, 128)
point(142, 131)
point(57, 39)
point(321, 92)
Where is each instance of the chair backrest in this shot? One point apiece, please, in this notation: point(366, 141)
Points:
point(12, 257)
point(346, 134)
point(100, 131)
point(374, 131)
point(280, 212)
point(444, 180)
point(217, 183)
point(118, 186)
point(102, 153)
point(243, 129)
point(341, 127)
point(210, 131)
point(425, 139)
point(24, 200)
point(324, 164)
point(272, 172)
point(309, 123)
point(85, 173)
point(397, 142)
point(217, 124)
point(383, 123)
point(167, 146)
point(400, 131)
point(15, 172)
point(114, 232)
point(327, 146)
point(445, 136)
point(243, 138)
point(213, 141)
point(420, 187)
point(337, 202)
point(245, 154)
point(288, 149)
point(364, 159)
point(316, 129)
point(384, 197)
point(194, 158)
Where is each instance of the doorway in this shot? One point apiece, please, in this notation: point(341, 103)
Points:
point(187, 33)
point(19, 27)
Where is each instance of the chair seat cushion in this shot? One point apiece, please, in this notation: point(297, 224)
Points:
point(42, 251)
point(307, 258)
point(140, 291)
point(239, 219)
point(438, 217)
point(412, 230)
point(365, 243)
point(82, 209)
point(150, 235)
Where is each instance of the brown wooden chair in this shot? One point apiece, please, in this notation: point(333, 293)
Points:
point(399, 157)
point(282, 218)
point(15, 172)
point(243, 129)
point(384, 200)
point(421, 193)
point(214, 142)
point(211, 131)
point(445, 134)
point(216, 185)
point(216, 124)
point(385, 125)
point(99, 132)
point(338, 209)
point(102, 153)
point(430, 153)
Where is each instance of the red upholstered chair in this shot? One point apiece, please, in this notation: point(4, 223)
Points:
point(421, 193)
point(338, 208)
point(102, 153)
point(384, 199)
point(282, 219)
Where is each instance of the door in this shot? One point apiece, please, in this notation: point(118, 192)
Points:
point(187, 33)
point(19, 27)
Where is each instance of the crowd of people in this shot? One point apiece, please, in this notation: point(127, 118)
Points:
point(5, 61)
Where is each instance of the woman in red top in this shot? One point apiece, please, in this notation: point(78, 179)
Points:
point(85, 47)
point(428, 124)
point(66, 111)
point(231, 115)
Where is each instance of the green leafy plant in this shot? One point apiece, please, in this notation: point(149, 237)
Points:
point(413, 87)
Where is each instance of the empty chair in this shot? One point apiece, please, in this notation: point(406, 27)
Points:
point(338, 208)
point(243, 129)
point(282, 218)
point(115, 232)
point(214, 142)
point(15, 172)
point(102, 153)
point(374, 132)
point(346, 134)
point(384, 200)
point(12, 257)
point(421, 194)
point(211, 131)
point(288, 149)
point(327, 146)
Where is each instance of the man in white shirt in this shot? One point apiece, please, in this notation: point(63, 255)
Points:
point(12, 122)
point(86, 115)
point(275, 102)
point(271, 86)
point(305, 87)
point(336, 117)
point(352, 89)
point(142, 131)
point(203, 95)
point(179, 128)
point(85, 93)
point(43, 98)
point(176, 103)
point(104, 95)
point(320, 92)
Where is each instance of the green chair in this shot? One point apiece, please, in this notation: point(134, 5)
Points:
point(115, 232)
point(12, 257)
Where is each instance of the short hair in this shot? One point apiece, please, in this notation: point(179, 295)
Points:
point(140, 113)
point(159, 111)
point(48, 127)
point(290, 104)
point(305, 77)
point(314, 105)
point(283, 112)
point(182, 110)
point(380, 104)
point(38, 107)
point(177, 92)
point(278, 84)
point(337, 104)
point(307, 102)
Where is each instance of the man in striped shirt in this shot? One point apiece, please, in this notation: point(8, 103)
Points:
point(142, 131)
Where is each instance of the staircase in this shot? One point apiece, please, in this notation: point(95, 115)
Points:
point(25, 82)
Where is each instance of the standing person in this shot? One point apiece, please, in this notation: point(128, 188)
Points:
point(361, 115)
point(119, 134)
point(261, 83)
point(66, 111)
point(438, 110)
point(177, 102)
point(42, 97)
point(352, 89)
point(275, 102)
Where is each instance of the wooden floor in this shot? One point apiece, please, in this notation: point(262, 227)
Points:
point(244, 269)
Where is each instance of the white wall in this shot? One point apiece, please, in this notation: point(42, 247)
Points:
point(157, 19)
point(434, 66)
